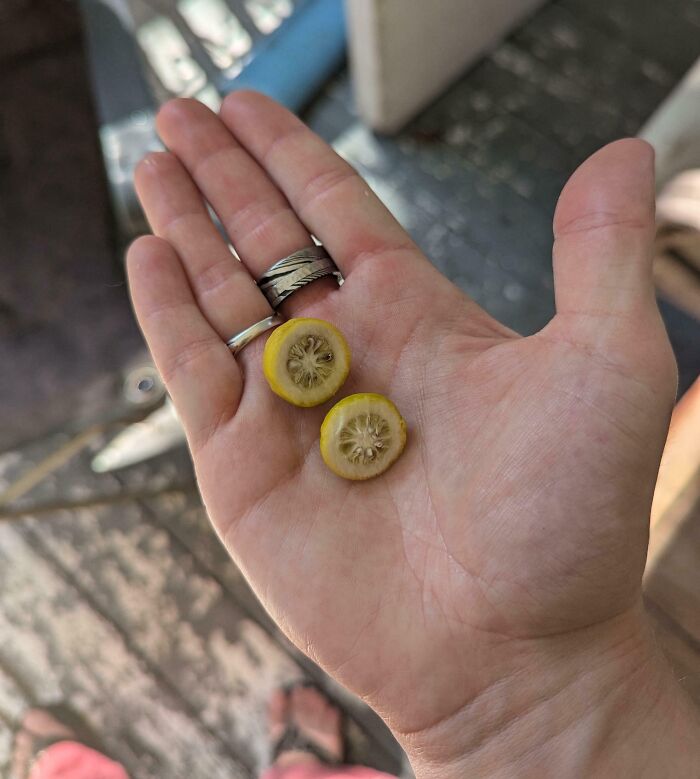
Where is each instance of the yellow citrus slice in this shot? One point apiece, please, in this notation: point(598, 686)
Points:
point(362, 436)
point(306, 361)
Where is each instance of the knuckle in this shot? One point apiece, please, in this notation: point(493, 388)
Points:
point(152, 163)
point(281, 143)
point(145, 247)
point(177, 107)
point(214, 276)
point(322, 183)
point(261, 218)
point(183, 361)
point(594, 221)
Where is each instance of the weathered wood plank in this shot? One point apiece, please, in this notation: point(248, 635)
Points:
point(13, 699)
point(64, 651)
point(13, 703)
point(181, 622)
point(201, 630)
point(63, 485)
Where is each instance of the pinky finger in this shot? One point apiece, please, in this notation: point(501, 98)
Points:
point(196, 365)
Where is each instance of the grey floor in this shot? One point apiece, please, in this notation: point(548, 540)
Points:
point(114, 594)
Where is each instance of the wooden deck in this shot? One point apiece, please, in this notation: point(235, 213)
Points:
point(115, 596)
point(130, 610)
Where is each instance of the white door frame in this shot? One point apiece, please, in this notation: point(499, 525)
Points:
point(404, 52)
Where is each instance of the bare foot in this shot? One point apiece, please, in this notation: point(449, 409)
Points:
point(37, 724)
point(314, 717)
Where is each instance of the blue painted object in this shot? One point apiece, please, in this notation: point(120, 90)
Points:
point(294, 62)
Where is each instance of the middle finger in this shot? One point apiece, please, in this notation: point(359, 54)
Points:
point(261, 224)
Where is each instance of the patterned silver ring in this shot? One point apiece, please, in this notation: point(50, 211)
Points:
point(243, 338)
point(296, 271)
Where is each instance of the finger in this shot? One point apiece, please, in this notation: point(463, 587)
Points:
point(258, 219)
point(605, 297)
point(196, 365)
point(223, 288)
point(329, 196)
point(603, 229)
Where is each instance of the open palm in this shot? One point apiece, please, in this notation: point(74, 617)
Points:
point(519, 510)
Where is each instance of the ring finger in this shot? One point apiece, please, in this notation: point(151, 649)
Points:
point(227, 295)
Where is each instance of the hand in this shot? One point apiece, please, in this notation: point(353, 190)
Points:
point(515, 524)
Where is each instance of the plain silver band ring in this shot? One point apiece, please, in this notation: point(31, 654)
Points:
point(243, 338)
point(297, 270)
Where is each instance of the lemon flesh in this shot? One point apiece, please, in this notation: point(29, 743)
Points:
point(306, 361)
point(362, 436)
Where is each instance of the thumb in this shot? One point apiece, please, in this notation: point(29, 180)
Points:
point(603, 233)
point(604, 228)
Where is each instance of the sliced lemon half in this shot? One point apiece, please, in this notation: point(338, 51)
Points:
point(362, 436)
point(306, 361)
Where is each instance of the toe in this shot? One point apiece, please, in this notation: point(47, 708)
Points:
point(312, 705)
point(277, 712)
point(299, 702)
point(331, 716)
point(43, 724)
point(317, 719)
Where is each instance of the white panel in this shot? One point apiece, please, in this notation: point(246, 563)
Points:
point(404, 52)
point(674, 129)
